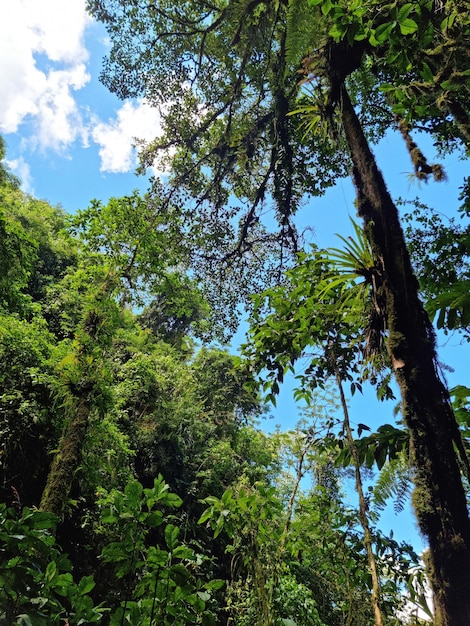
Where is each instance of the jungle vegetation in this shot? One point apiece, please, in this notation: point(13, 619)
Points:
point(138, 485)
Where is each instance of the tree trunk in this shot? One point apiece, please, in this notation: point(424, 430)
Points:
point(439, 497)
point(66, 460)
point(299, 474)
point(94, 335)
point(363, 507)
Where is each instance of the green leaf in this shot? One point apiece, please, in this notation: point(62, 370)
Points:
point(85, 585)
point(408, 27)
point(448, 21)
point(133, 490)
point(180, 573)
point(337, 32)
point(183, 552)
point(361, 428)
point(205, 516)
point(382, 32)
point(171, 536)
point(214, 585)
point(404, 11)
point(426, 72)
point(204, 595)
point(326, 7)
point(380, 456)
point(387, 88)
point(154, 519)
point(460, 391)
point(51, 571)
point(399, 108)
point(157, 558)
point(227, 496)
point(43, 521)
point(173, 500)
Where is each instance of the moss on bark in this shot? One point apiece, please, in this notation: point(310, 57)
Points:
point(66, 460)
point(439, 498)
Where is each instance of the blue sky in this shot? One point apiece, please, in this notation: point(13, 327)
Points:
point(68, 138)
point(70, 141)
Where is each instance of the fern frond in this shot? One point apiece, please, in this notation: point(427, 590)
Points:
point(394, 481)
point(300, 34)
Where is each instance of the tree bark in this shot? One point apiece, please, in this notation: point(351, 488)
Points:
point(439, 496)
point(66, 460)
point(299, 474)
point(363, 507)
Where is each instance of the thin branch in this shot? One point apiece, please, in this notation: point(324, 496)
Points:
point(363, 506)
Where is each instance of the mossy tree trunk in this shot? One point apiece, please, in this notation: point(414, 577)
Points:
point(66, 460)
point(93, 338)
point(439, 497)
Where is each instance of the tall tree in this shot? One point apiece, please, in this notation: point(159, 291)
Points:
point(233, 69)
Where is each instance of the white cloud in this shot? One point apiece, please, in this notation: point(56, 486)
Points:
point(44, 64)
point(59, 120)
point(43, 95)
point(22, 170)
point(116, 138)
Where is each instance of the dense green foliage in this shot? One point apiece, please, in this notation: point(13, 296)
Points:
point(161, 500)
point(281, 98)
